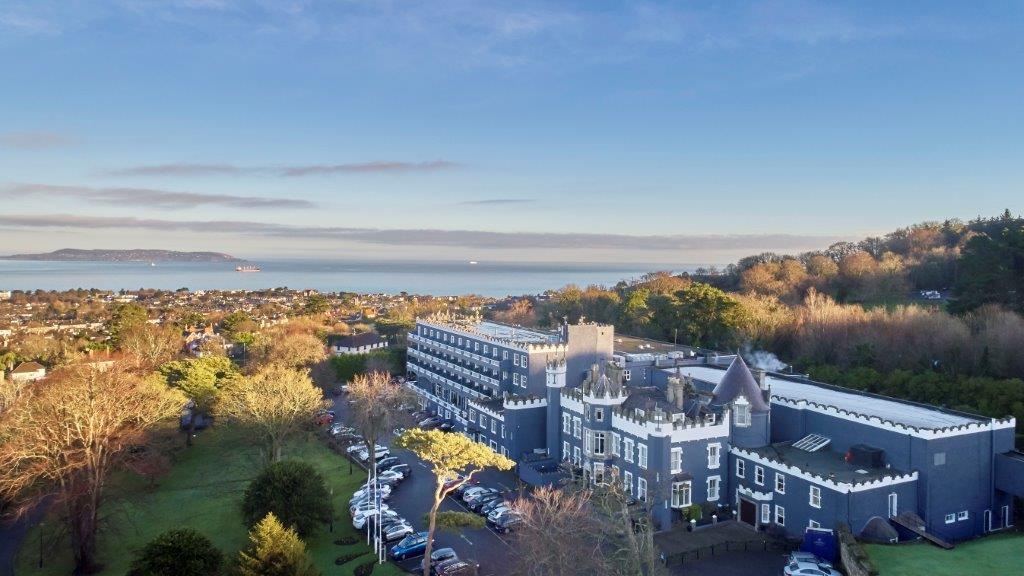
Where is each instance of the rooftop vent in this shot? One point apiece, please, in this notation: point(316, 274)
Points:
point(812, 443)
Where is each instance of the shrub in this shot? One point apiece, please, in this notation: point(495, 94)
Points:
point(346, 540)
point(183, 552)
point(294, 492)
point(366, 568)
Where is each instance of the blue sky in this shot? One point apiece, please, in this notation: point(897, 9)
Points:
point(661, 132)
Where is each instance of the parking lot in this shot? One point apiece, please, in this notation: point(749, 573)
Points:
point(412, 500)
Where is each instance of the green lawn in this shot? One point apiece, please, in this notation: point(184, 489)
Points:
point(203, 491)
point(1000, 554)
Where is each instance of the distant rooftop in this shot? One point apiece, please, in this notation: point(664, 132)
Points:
point(633, 345)
point(892, 409)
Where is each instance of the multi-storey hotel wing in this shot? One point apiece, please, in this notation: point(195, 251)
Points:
point(685, 426)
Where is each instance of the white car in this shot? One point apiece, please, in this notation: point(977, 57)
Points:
point(388, 476)
point(497, 513)
point(470, 492)
point(364, 508)
point(359, 519)
point(367, 491)
point(364, 456)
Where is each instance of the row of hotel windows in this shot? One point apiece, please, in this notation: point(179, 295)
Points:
point(483, 423)
point(623, 447)
point(682, 492)
point(517, 359)
point(780, 482)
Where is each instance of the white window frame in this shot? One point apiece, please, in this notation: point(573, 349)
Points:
point(628, 449)
point(577, 427)
point(963, 515)
point(741, 469)
point(676, 460)
point(814, 496)
point(616, 444)
point(780, 483)
point(950, 518)
point(525, 362)
point(600, 441)
point(598, 472)
point(627, 481)
point(626, 375)
point(679, 490)
point(893, 502)
point(766, 513)
point(494, 446)
point(641, 489)
point(759, 475)
point(780, 515)
point(576, 460)
point(566, 452)
point(599, 414)
point(494, 426)
point(515, 359)
point(567, 423)
point(811, 523)
point(714, 455)
point(741, 412)
point(641, 455)
point(714, 485)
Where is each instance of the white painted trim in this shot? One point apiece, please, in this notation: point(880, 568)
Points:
point(759, 496)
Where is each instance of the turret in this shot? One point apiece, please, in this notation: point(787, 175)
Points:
point(554, 373)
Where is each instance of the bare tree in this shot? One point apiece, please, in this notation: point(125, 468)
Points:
point(149, 346)
point(376, 405)
point(560, 535)
point(292, 349)
point(276, 401)
point(65, 437)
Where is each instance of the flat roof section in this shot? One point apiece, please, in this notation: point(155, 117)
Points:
point(515, 333)
point(826, 463)
point(906, 413)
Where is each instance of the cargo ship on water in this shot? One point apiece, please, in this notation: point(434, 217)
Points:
point(247, 268)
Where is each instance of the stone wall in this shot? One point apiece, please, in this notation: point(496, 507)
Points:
point(854, 558)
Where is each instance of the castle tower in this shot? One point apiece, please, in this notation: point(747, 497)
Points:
point(554, 372)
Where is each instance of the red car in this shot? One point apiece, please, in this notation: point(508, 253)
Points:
point(449, 484)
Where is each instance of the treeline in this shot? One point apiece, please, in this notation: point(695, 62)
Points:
point(810, 310)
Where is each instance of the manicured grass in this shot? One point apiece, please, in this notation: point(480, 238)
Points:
point(999, 554)
point(204, 491)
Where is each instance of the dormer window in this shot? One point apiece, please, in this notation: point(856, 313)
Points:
point(741, 412)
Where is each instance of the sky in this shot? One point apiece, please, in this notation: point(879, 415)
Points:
point(669, 132)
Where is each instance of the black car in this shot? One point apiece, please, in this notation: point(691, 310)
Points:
point(457, 567)
point(446, 427)
point(387, 462)
point(506, 522)
point(402, 469)
point(478, 503)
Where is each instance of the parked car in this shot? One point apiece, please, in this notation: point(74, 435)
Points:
point(809, 569)
point(442, 555)
point(395, 531)
point(446, 427)
point(432, 422)
point(360, 520)
point(323, 419)
point(364, 456)
point(801, 556)
point(473, 499)
point(493, 505)
point(505, 522)
point(411, 546)
point(473, 491)
point(399, 468)
point(457, 567)
point(383, 463)
point(471, 483)
point(477, 505)
point(368, 491)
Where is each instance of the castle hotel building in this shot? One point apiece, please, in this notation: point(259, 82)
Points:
point(685, 426)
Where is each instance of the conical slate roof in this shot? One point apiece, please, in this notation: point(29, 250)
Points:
point(738, 381)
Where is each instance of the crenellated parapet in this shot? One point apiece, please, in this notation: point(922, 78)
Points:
point(524, 402)
point(842, 487)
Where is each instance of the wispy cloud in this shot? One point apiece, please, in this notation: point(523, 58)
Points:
point(209, 169)
point(166, 199)
point(35, 140)
point(429, 237)
point(27, 23)
point(497, 202)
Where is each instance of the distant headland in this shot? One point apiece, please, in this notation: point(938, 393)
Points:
point(75, 255)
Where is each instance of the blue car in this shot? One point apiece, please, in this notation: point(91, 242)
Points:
point(411, 546)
